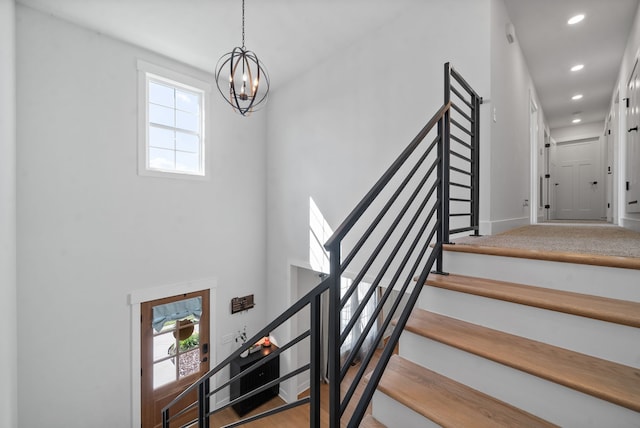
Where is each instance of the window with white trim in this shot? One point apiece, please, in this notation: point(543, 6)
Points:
point(172, 123)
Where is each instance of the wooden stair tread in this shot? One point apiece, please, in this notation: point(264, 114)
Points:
point(601, 308)
point(600, 378)
point(447, 402)
point(554, 256)
point(370, 422)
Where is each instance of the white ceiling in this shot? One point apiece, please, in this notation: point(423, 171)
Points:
point(288, 36)
point(291, 36)
point(551, 48)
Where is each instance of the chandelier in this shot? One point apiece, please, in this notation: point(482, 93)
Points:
point(241, 78)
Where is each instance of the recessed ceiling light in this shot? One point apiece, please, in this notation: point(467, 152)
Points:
point(576, 97)
point(575, 19)
point(576, 120)
point(577, 67)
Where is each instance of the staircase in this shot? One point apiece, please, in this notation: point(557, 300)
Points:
point(505, 340)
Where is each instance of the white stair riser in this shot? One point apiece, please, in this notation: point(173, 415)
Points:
point(609, 341)
point(615, 283)
point(552, 402)
point(393, 414)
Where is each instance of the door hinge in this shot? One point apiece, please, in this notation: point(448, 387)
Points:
point(626, 100)
point(628, 186)
point(140, 371)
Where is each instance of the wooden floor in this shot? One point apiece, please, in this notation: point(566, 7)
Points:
point(299, 416)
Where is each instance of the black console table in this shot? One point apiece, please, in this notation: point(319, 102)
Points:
point(255, 379)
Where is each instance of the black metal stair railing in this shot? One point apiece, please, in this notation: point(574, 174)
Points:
point(387, 247)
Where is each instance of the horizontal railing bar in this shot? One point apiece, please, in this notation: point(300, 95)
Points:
point(463, 82)
point(399, 271)
point(183, 411)
point(263, 361)
point(387, 235)
point(459, 110)
point(347, 260)
point(464, 143)
point(270, 412)
point(382, 302)
point(285, 316)
point(461, 127)
point(459, 156)
point(459, 214)
point(362, 206)
point(460, 200)
point(264, 387)
point(371, 386)
point(462, 98)
point(465, 186)
point(461, 171)
point(189, 424)
point(412, 222)
point(463, 229)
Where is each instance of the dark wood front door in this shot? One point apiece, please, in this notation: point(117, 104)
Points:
point(175, 352)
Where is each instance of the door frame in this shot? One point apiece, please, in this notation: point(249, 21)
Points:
point(533, 144)
point(136, 297)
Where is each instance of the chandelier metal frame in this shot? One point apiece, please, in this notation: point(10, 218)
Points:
point(246, 85)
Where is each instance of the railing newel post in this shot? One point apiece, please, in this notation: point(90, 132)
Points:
point(475, 166)
point(207, 402)
point(334, 336)
point(201, 410)
point(314, 372)
point(165, 418)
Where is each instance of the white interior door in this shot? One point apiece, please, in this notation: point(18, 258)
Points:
point(632, 179)
point(580, 188)
point(565, 192)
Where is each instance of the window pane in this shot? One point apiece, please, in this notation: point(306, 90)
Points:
point(161, 115)
point(187, 142)
point(189, 363)
point(188, 101)
point(188, 162)
point(161, 94)
point(162, 138)
point(163, 373)
point(161, 345)
point(187, 121)
point(161, 158)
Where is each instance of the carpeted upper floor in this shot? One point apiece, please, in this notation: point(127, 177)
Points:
point(605, 240)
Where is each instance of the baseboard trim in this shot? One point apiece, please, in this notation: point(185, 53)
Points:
point(499, 226)
point(631, 223)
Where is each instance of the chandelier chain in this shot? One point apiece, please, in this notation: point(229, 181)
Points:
point(243, 24)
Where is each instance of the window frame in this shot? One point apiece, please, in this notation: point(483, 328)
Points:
point(150, 72)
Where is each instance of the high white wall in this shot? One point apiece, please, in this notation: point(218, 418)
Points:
point(8, 309)
point(631, 55)
point(511, 159)
point(91, 231)
point(334, 130)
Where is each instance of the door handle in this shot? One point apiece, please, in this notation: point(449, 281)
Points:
point(632, 202)
point(205, 359)
point(635, 128)
point(593, 183)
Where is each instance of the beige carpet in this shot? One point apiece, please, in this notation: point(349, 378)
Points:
point(601, 240)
